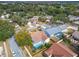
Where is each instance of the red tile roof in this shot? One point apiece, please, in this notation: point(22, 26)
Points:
point(38, 36)
point(58, 49)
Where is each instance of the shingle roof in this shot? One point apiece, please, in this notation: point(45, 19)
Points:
point(51, 31)
point(55, 30)
point(38, 36)
point(63, 27)
point(58, 49)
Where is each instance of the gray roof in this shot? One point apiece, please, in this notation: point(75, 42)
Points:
point(76, 35)
point(72, 18)
point(63, 27)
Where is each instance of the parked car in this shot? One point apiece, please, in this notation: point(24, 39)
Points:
point(13, 53)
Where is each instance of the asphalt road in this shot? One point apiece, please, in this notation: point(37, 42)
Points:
point(15, 49)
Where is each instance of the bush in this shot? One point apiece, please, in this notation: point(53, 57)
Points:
point(47, 45)
point(67, 41)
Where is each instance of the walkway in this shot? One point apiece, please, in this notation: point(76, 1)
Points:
point(27, 51)
point(5, 48)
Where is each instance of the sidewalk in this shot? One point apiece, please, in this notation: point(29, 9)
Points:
point(27, 51)
point(5, 48)
point(9, 50)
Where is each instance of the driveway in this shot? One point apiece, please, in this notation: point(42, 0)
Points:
point(15, 49)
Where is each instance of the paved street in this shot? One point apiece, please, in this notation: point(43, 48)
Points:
point(15, 49)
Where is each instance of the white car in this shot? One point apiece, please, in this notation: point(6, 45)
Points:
point(13, 53)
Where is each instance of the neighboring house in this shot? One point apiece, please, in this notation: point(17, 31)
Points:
point(39, 38)
point(32, 26)
point(58, 31)
point(59, 50)
point(33, 22)
point(74, 27)
point(55, 31)
point(73, 18)
point(76, 22)
point(51, 31)
point(59, 22)
point(63, 27)
point(34, 19)
point(49, 17)
point(45, 26)
point(2, 17)
point(75, 35)
point(5, 16)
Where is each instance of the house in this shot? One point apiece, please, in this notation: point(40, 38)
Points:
point(75, 35)
point(32, 26)
point(39, 38)
point(33, 23)
point(59, 50)
point(49, 17)
point(63, 27)
point(45, 26)
point(74, 27)
point(59, 22)
point(54, 31)
point(76, 22)
point(58, 31)
point(5, 16)
point(51, 31)
point(34, 19)
point(73, 18)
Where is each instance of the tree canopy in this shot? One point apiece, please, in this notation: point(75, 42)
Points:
point(23, 38)
point(19, 11)
point(6, 30)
